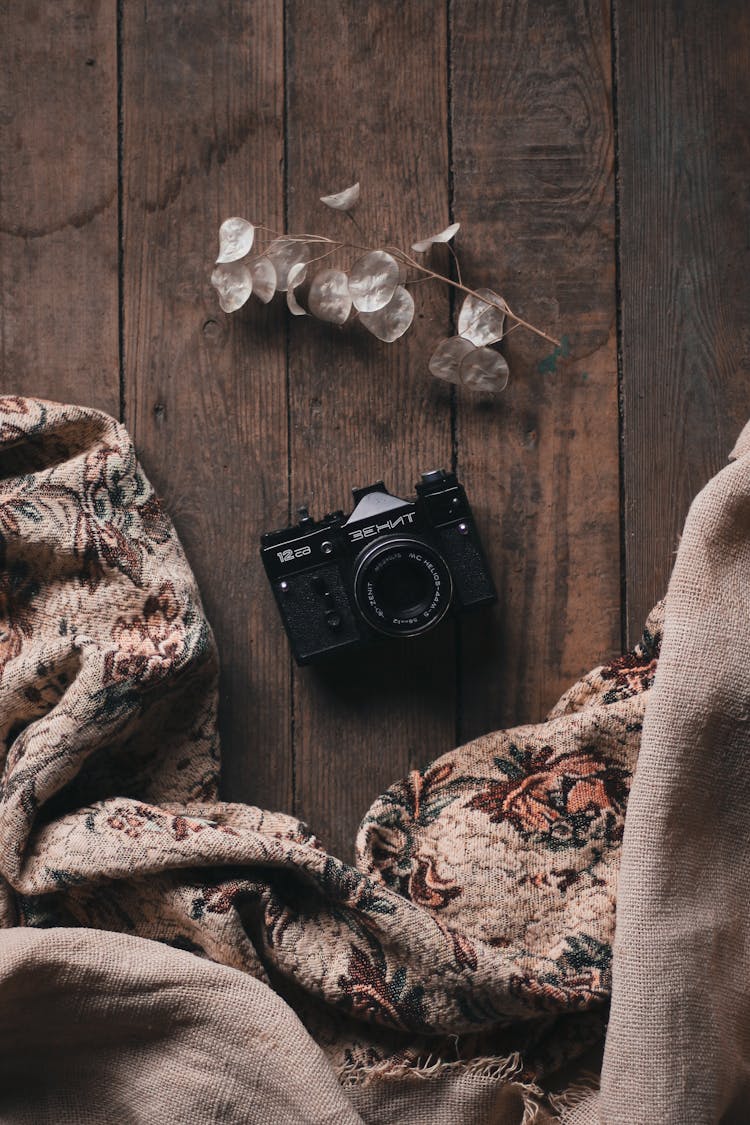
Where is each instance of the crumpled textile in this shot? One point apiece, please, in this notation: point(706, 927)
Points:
point(471, 943)
point(102, 1027)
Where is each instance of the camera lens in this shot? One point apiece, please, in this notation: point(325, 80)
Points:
point(402, 586)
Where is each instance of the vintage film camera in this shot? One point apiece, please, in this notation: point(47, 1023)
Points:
point(392, 568)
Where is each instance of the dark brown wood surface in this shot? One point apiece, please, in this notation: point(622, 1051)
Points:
point(597, 160)
point(59, 202)
point(205, 395)
point(683, 75)
point(533, 164)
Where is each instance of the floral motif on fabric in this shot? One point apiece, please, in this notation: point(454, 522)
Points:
point(562, 800)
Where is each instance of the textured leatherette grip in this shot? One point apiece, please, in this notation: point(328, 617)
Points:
point(471, 579)
point(304, 612)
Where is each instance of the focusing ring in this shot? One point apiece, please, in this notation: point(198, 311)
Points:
point(379, 565)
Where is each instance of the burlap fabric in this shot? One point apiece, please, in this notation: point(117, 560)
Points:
point(461, 972)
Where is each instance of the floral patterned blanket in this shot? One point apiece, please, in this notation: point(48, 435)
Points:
point(475, 929)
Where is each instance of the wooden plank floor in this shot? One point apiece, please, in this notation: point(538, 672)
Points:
point(597, 158)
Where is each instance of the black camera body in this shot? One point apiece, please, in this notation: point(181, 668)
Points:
point(392, 567)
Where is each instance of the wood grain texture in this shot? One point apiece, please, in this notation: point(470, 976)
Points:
point(533, 162)
point(58, 201)
point(359, 108)
point(206, 393)
point(684, 127)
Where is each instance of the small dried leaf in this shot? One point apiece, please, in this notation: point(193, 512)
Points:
point(296, 276)
point(233, 283)
point(442, 236)
point(393, 319)
point(342, 200)
point(264, 278)
point(445, 362)
point(235, 240)
point(480, 322)
point(283, 253)
point(484, 369)
point(372, 280)
point(329, 297)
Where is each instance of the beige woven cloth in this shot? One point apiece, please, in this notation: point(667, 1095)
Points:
point(678, 1043)
point(169, 957)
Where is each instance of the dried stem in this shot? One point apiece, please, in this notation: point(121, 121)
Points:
point(354, 221)
point(504, 307)
point(321, 257)
point(458, 264)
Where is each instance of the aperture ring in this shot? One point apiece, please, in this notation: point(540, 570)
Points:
point(423, 561)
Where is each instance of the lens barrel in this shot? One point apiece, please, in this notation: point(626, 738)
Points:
point(402, 586)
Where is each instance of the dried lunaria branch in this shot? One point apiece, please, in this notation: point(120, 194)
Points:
point(373, 291)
